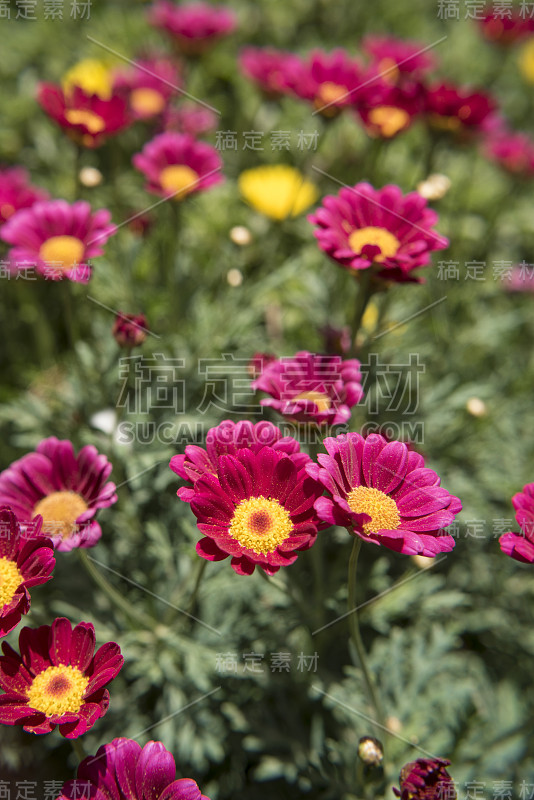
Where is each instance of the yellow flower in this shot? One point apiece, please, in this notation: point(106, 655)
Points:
point(278, 192)
point(90, 75)
point(526, 61)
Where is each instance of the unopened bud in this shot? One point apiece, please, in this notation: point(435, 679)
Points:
point(434, 187)
point(90, 177)
point(370, 751)
point(240, 235)
point(476, 407)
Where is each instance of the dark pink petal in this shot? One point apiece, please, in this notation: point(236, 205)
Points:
point(155, 770)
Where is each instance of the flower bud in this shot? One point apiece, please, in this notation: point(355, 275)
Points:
point(370, 751)
point(130, 330)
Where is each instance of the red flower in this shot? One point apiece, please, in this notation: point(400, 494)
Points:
point(16, 192)
point(506, 30)
point(258, 509)
point(148, 85)
point(130, 330)
point(269, 68)
point(26, 560)
point(312, 388)
point(194, 27)
point(88, 119)
point(426, 779)
point(58, 679)
point(383, 229)
point(395, 59)
point(457, 109)
point(520, 546)
point(330, 81)
point(226, 439)
point(383, 493)
point(124, 769)
point(514, 152)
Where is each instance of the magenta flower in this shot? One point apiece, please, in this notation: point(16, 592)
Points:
point(269, 68)
point(514, 152)
point(58, 679)
point(191, 119)
point(194, 27)
point(130, 330)
point(148, 85)
point(16, 192)
point(521, 545)
point(86, 118)
point(26, 560)
point(362, 227)
point(124, 769)
point(227, 439)
point(396, 58)
point(458, 109)
point(383, 493)
point(258, 509)
point(506, 29)
point(387, 110)
point(66, 490)
point(312, 388)
point(521, 278)
point(426, 779)
point(57, 239)
point(330, 81)
point(176, 165)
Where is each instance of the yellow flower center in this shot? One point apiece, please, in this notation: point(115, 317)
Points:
point(59, 511)
point(378, 237)
point(260, 524)
point(147, 102)
point(381, 508)
point(321, 400)
point(58, 690)
point(389, 119)
point(62, 252)
point(10, 580)
point(329, 94)
point(81, 116)
point(178, 179)
point(388, 70)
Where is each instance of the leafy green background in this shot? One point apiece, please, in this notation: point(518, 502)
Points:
point(451, 648)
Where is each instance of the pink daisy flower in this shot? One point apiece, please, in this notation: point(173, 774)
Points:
point(426, 779)
point(88, 119)
point(330, 81)
point(192, 119)
point(258, 509)
point(383, 493)
point(124, 769)
point(395, 59)
point(521, 278)
point(176, 165)
point(64, 489)
point(194, 27)
point(148, 85)
point(521, 545)
point(16, 192)
point(226, 439)
point(514, 152)
point(308, 387)
point(268, 68)
point(389, 110)
point(26, 560)
point(458, 109)
point(57, 239)
point(58, 679)
point(363, 227)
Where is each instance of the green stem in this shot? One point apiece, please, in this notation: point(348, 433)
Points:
point(357, 639)
point(116, 598)
point(196, 587)
point(365, 292)
point(79, 749)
